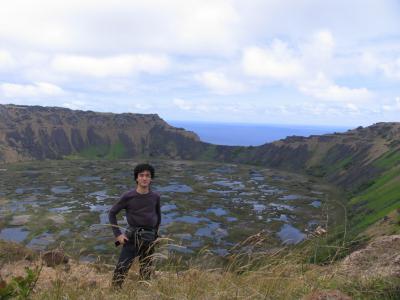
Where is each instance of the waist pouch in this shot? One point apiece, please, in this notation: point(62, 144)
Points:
point(143, 234)
point(147, 235)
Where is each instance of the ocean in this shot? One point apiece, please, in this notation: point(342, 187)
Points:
point(241, 134)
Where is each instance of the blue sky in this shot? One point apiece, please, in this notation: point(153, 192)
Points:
point(281, 62)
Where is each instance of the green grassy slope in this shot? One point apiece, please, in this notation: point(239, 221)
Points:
point(377, 201)
point(114, 151)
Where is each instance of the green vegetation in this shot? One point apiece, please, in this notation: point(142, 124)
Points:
point(324, 170)
point(388, 160)
point(209, 154)
point(20, 287)
point(342, 164)
point(372, 200)
point(317, 171)
point(114, 151)
point(378, 200)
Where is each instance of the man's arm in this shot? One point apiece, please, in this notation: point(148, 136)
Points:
point(158, 210)
point(112, 215)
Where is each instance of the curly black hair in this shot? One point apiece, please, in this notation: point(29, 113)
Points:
point(143, 167)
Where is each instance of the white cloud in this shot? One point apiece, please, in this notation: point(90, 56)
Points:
point(319, 110)
point(353, 21)
point(291, 63)
point(317, 53)
point(142, 106)
point(95, 49)
point(322, 88)
point(39, 89)
point(122, 65)
point(367, 63)
point(182, 104)
point(75, 104)
point(352, 108)
point(276, 62)
point(6, 60)
point(106, 26)
point(393, 107)
point(391, 68)
point(307, 66)
point(192, 26)
point(197, 107)
point(377, 62)
point(218, 83)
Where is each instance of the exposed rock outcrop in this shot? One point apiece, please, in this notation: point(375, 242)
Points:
point(35, 132)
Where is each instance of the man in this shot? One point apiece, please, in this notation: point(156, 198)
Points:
point(144, 216)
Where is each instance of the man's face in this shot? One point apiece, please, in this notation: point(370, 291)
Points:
point(144, 178)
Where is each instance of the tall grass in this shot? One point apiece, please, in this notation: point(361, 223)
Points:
point(247, 272)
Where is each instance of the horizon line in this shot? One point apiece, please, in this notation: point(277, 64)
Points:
point(265, 124)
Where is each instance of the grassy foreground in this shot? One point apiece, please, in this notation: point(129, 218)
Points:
point(284, 273)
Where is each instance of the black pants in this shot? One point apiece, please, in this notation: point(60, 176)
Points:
point(130, 250)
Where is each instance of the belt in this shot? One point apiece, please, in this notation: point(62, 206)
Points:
point(142, 233)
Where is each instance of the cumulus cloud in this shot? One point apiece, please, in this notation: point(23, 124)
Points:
point(106, 26)
point(122, 65)
point(218, 83)
point(288, 63)
point(182, 104)
point(393, 107)
point(324, 89)
point(317, 52)
point(353, 108)
point(371, 62)
point(75, 104)
point(274, 62)
point(191, 26)
point(198, 106)
point(305, 66)
point(39, 89)
point(391, 68)
point(236, 48)
point(6, 60)
point(142, 106)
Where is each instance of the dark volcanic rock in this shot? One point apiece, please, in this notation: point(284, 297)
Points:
point(54, 258)
point(35, 132)
point(46, 143)
point(95, 139)
point(173, 144)
point(61, 141)
point(129, 146)
point(76, 140)
point(13, 138)
point(337, 153)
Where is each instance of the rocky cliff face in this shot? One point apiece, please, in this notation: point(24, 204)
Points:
point(35, 132)
point(365, 162)
point(348, 159)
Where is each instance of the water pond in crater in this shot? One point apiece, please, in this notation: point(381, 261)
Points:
point(204, 204)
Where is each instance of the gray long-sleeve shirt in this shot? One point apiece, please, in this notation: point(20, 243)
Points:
point(141, 210)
